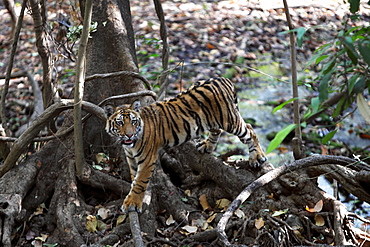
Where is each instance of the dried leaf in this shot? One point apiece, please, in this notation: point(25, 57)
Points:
point(103, 213)
point(298, 233)
point(187, 192)
point(190, 229)
point(210, 219)
point(170, 220)
point(222, 203)
point(210, 46)
point(319, 220)
point(239, 213)
point(317, 208)
point(120, 219)
point(324, 150)
point(259, 223)
point(91, 223)
point(30, 235)
point(43, 237)
point(101, 225)
point(39, 210)
point(101, 158)
point(36, 243)
point(205, 226)
point(204, 203)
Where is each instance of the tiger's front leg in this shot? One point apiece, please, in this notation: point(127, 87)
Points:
point(256, 154)
point(134, 199)
point(209, 145)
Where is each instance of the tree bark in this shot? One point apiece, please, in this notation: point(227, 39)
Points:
point(111, 49)
point(42, 43)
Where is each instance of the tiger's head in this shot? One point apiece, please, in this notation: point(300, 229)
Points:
point(124, 122)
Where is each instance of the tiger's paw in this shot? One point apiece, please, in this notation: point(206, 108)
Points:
point(205, 147)
point(132, 203)
point(256, 159)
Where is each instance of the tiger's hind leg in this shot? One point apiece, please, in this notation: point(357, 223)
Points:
point(209, 144)
point(249, 137)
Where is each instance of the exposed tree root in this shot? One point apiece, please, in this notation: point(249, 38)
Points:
point(268, 177)
point(49, 179)
point(67, 209)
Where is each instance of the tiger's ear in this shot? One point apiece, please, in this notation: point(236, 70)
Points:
point(136, 105)
point(109, 110)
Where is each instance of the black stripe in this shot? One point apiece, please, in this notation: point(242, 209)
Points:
point(206, 113)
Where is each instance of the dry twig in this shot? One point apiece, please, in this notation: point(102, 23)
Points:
point(10, 65)
point(297, 145)
point(79, 90)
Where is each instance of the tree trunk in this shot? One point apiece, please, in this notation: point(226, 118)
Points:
point(111, 49)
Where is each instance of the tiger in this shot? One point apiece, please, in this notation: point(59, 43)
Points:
point(143, 131)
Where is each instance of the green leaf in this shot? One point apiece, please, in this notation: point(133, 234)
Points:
point(351, 51)
point(351, 82)
point(319, 52)
point(300, 33)
point(280, 212)
point(360, 85)
point(354, 6)
point(328, 136)
point(320, 58)
point(315, 103)
point(343, 103)
point(323, 87)
point(353, 29)
point(283, 104)
point(364, 49)
point(280, 136)
point(307, 114)
point(363, 107)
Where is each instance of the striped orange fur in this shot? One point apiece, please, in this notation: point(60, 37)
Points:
point(143, 131)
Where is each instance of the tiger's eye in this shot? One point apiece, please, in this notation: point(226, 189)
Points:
point(119, 122)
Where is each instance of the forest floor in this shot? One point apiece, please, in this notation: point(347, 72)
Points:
point(242, 40)
point(229, 38)
point(207, 39)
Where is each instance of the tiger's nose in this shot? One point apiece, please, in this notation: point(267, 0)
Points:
point(129, 135)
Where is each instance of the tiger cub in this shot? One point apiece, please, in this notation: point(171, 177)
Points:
point(143, 131)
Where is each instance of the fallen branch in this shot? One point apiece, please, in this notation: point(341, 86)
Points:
point(268, 177)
